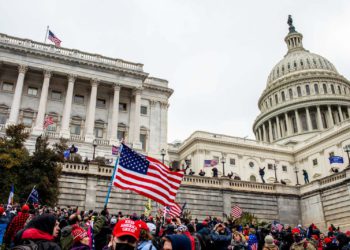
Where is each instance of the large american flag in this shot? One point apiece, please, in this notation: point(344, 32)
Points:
point(48, 121)
point(236, 211)
point(54, 39)
point(174, 211)
point(146, 176)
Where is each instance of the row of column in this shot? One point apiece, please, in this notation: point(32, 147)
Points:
point(267, 131)
point(134, 125)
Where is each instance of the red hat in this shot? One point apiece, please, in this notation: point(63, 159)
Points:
point(347, 233)
point(327, 240)
point(2, 210)
point(78, 233)
point(314, 236)
point(205, 223)
point(142, 225)
point(168, 221)
point(296, 231)
point(25, 208)
point(126, 227)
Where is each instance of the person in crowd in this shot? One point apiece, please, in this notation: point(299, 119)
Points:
point(262, 174)
point(145, 241)
point(101, 229)
point(238, 242)
point(176, 242)
point(201, 173)
point(300, 243)
point(126, 234)
point(16, 224)
point(306, 176)
point(81, 240)
point(230, 175)
point(40, 233)
point(4, 221)
point(66, 232)
point(269, 243)
point(221, 236)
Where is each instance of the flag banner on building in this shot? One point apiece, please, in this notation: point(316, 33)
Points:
point(11, 195)
point(147, 177)
point(236, 211)
point(54, 39)
point(210, 163)
point(48, 121)
point(336, 159)
point(34, 196)
point(115, 150)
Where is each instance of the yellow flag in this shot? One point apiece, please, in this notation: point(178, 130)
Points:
point(148, 207)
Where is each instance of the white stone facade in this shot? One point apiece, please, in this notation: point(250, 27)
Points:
point(305, 118)
point(89, 96)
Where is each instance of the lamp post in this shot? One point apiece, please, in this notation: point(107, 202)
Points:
point(94, 144)
point(163, 153)
point(223, 160)
point(275, 168)
point(347, 150)
point(296, 170)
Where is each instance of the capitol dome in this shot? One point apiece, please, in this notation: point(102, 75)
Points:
point(304, 95)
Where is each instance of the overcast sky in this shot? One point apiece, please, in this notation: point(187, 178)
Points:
point(216, 54)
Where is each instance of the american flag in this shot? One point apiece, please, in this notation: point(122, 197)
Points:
point(174, 211)
point(236, 211)
point(252, 242)
point(115, 150)
point(54, 39)
point(146, 176)
point(210, 163)
point(48, 121)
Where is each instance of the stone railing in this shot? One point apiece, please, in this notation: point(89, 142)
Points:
point(78, 168)
point(52, 134)
point(28, 130)
point(73, 53)
point(105, 170)
point(77, 138)
point(102, 142)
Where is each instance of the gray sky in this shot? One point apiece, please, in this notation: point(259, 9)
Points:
point(216, 54)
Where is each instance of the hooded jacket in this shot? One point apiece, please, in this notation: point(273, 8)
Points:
point(179, 242)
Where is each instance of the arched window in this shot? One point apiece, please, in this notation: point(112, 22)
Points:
point(252, 178)
point(307, 88)
point(299, 91)
point(270, 102)
point(301, 63)
point(332, 88)
point(283, 96)
point(316, 88)
point(324, 88)
point(276, 99)
point(339, 90)
point(290, 93)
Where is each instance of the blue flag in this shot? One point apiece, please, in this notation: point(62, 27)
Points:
point(66, 153)
point(34, 196)
point(336, 159)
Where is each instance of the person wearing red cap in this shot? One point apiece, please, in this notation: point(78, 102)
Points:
point(145, 241)
point(299, 242)
point(16, 224)
point(81, 239)
point(125, 235)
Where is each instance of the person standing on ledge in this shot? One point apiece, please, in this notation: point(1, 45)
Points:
point(215, 172)
point(262, 173)
point(306, 176)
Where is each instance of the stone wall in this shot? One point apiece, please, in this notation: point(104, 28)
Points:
point(322, 202)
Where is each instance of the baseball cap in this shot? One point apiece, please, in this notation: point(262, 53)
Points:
point(142, 225)
point(126, 227)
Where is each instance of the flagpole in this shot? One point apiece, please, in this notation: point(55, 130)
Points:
point(47, 31)
point(112, 177)
point(30, 194)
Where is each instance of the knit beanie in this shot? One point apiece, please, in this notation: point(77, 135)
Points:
point(78, 233)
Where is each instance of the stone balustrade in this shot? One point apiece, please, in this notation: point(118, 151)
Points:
point(77, 138)
point(102, 142)
point(72, 53)
point(52, 134)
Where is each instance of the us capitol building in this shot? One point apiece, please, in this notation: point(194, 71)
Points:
point(95, 100)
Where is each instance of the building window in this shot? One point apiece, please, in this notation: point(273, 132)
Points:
point(270, 102)
point(101, 103)
point(7, 86)
point(303, 121)
point(143, 140)
point(79, 99)
point(56, 95)
point(232, 161)
point(316, 88)
point(276, 99)
point(299, 91)
point(216, 158)
point(324, 88)
point(283, 96)
point(324, 119)
point(284, 168)
point(53, 127)
point(294, 123)
point(307, 88)
point(332, 89)
point(99, 132)
point(75, 129)
point(313, 117)
point(122, 106)
point(27, 121)
point(269, 166)
point(252, 178)
point(314, 162)
point(290, 94)
point(143, 110)
point(120, 135)
point(339, 90)
point(3, 118)
point(32, 91)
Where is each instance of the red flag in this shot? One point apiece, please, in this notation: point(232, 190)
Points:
point(147, 176)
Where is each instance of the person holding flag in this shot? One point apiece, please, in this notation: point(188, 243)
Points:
point(11, 195)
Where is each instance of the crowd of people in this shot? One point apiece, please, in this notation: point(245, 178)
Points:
point(43, 228)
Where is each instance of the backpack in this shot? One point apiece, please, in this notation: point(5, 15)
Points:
point(27, 245)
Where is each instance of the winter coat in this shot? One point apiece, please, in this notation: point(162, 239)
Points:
point(238, 245)
point(44, 240)
point(221, 241)
point(179, 242)
point(302, 245)
point(274, 247)
point(146, 245)
point(16, 224)
point(79, 246)
point(66, 240)
point(101, 230)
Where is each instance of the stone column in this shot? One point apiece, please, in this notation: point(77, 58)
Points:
point(264, 133)
point(260, 137)
point(154, 131)
point(330, 117)
point(341, 117)
point(65, 132)
point(164, 125)
point(297, 118)
point(287, 124)
point(90, 124)
point(113, 126)
point(137, 115)
point(39, 124)
point(270, 131)
point(16, 102)
point(319, 119)
point(278, 126)
point(308, 119)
